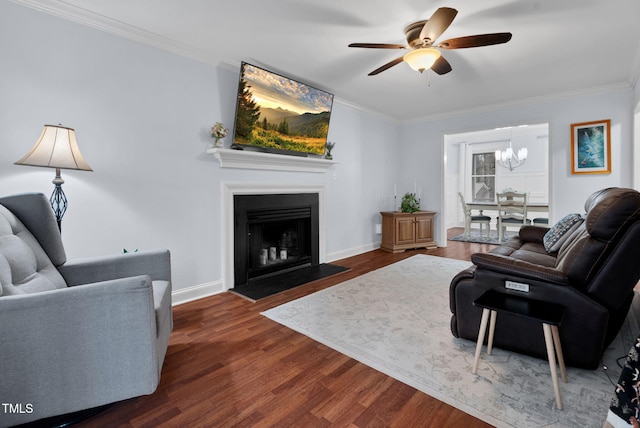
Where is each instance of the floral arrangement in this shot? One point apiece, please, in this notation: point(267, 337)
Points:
point(218, 131)
point(410, 203)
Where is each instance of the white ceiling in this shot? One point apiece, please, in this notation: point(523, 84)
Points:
point(558, 46)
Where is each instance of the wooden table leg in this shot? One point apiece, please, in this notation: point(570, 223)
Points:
point(551, 354)
point(480, 341)
point(492, 329)
point(558, 347)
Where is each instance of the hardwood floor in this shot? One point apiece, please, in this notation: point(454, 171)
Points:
point(228, 366)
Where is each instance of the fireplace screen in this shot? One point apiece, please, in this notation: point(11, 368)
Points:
point(278, 239)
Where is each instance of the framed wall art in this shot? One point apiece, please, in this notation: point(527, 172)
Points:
point(591, 147)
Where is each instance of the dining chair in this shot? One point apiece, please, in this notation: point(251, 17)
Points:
point(541, 221)
point(512, 211)
point(469, 218)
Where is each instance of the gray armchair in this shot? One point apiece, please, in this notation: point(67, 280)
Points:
point(75, 334)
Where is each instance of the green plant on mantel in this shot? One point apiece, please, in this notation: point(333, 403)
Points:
point(410, 203)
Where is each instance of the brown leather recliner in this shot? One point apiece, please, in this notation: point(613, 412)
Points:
point(593, 275)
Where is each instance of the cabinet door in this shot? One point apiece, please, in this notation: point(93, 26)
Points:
point(405, 230)
point(424, 229)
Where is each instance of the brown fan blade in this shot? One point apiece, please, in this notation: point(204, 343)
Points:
point(437, 24)
point(475, 41)
point(441, 66)
point(386, 66)
point(377, 45)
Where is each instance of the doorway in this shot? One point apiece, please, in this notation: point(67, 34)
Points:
point(470, 168)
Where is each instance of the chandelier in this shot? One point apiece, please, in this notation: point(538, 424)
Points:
point(508, 159)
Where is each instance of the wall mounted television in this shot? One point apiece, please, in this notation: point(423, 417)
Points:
point(280, 115)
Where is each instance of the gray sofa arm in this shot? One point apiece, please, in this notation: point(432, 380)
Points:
point(155, 263)
point(78, 347)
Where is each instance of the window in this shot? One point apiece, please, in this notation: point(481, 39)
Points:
point(483, 177)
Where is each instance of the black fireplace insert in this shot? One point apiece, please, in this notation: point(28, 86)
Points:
point(274, 234)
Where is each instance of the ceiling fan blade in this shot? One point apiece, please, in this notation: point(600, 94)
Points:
point(475, 41)
point(386, 66)
point(441, 66)
point(437, 24)
point(377, 45)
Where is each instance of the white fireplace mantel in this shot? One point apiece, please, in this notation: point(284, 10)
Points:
point(229, 158)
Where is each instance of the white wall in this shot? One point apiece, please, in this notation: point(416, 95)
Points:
point(142, 117)
point(636, 148)
point(424, 140)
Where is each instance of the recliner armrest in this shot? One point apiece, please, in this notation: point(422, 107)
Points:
point(521, 268)
point(532, 233)
point(79, 347)
point(155, 263)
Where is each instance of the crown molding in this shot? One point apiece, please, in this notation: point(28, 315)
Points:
point(624, 86)
point(96, 21)
point(99, 22)
point(366, 110)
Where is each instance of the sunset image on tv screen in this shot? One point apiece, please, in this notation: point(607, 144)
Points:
point(275, 112)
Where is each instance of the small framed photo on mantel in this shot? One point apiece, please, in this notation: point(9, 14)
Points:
point(591, 147)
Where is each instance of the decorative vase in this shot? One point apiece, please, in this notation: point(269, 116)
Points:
point(218, 143)
point(328, 149)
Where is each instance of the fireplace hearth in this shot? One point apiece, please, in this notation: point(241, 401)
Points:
point(274, 234)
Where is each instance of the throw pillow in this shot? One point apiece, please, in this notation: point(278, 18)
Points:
point(560, 231)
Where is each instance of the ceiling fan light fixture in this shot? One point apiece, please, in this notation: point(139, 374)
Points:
point(421, 38)
point(422, 59)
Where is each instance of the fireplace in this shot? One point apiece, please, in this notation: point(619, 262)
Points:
point(274, 234)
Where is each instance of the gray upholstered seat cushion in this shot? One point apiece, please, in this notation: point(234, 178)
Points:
point(24, 266)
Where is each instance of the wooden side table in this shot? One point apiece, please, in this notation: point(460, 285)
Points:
point(549, 314)
point(403, 231)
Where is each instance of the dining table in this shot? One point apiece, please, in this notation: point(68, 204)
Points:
point(493, 206)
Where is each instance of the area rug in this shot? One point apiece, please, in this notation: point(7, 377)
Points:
point(396, 320)
point(482, 238)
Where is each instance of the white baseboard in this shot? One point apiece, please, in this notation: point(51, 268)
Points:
point(350, 252)
point(196, 292)
point(207, 289)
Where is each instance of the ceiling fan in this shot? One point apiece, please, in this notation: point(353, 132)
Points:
point(421, 37)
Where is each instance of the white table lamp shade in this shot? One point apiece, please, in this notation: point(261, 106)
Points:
point(56, 148)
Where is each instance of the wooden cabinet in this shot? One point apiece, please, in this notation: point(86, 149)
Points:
point(402, 231)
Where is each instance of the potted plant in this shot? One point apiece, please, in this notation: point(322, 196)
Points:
point(410, 203)
point(328, 148)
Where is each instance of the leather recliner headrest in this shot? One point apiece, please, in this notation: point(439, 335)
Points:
point(610, 211)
